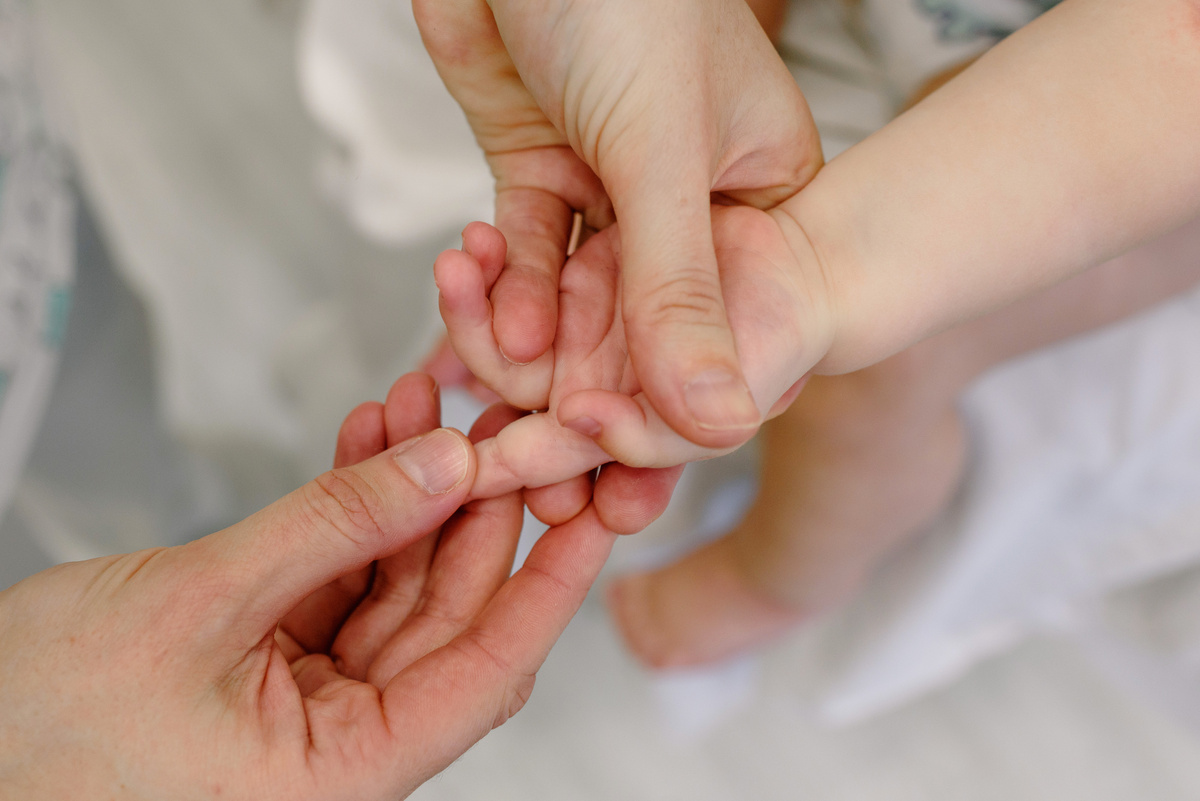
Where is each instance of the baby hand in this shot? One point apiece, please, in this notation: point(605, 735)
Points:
point(595, 408)
point(654, 106)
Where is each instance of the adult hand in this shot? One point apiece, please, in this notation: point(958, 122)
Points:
point(781, 312)
point(243, 666)
point(626, 498)
point(668, 103)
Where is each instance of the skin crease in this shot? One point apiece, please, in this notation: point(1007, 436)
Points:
point(348, 642)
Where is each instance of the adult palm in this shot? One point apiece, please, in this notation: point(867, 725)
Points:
point(348, 642)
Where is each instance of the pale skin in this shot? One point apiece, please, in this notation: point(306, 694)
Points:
point(348, 642)
point(957, 208)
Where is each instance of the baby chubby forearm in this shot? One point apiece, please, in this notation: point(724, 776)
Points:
point(1073, 140)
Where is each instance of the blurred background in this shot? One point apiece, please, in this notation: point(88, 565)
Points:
point(260, 189)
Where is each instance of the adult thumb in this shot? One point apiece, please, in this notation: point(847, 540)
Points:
point(676, 327)
point(338, 523)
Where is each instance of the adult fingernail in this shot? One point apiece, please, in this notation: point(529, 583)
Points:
point(584, 425)
point(436, 461)
point(719, 401)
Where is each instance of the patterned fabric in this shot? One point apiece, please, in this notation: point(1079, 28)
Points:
point(36, 267)
point(960, 20)
point(917, 40)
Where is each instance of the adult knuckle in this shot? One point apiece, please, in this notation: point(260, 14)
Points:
point(445, 612)
point(344, 502)
point(554, 586)
point(513, 684)
point(516, 695)
point(691, 296)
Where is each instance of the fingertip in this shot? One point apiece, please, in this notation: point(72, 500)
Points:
point(446, 368)
point(493, 420)
point(362, 435)
point(482, 392)
point(710, 406)
point(412, 407)
point(628, 429)
point(558, 503)
point(628, 498)
point(525, 314)
point(789, 397)
point(412, 386)
point(461, 286)
point(487, 245)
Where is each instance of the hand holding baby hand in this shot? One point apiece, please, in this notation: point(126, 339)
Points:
point(666, 104)
point(779, 310)
point(349, 641)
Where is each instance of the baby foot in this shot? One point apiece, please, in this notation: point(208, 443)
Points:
point(700, 609)
point(849, 472)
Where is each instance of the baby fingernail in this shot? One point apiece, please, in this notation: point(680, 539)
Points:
point(719, 401)
point(586, 426)
point(437, 461)
point(509, 359)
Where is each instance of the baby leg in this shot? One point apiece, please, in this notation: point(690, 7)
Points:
point(860, 464)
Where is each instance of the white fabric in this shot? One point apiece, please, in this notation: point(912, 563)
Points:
point(36, 220)
point(271, 317)
point(409, 163)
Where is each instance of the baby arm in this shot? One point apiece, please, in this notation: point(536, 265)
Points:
point(1075, 139)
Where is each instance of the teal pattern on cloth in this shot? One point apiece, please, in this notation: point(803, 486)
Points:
point(36, 253)
point(58, 310)
point(961, 20)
